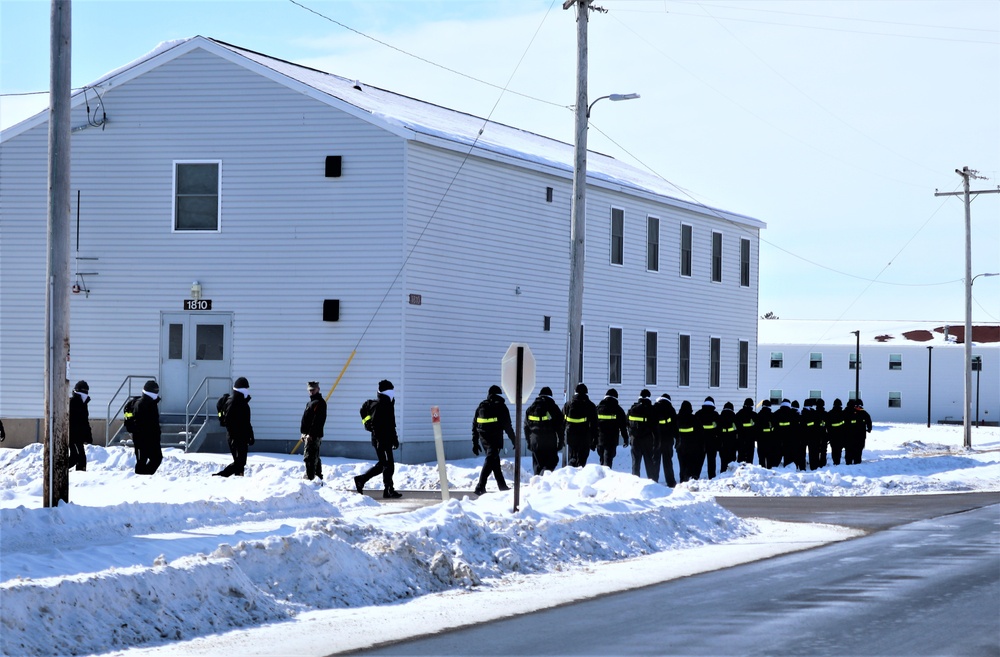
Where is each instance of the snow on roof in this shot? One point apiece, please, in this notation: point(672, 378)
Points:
point(433, 121)
point(872, 332)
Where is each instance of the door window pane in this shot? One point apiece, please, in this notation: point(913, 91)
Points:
point(175, 348)
point(209, 339)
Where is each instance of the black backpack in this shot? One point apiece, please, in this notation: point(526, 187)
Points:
point(640, 420)
point(367, 410)
point(129, 413)
point(222, 407)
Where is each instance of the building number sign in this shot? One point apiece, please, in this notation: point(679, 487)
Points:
point(197, 304)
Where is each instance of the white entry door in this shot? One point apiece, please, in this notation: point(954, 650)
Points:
point(193, 347)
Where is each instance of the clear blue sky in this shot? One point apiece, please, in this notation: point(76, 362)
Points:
point(832, 121)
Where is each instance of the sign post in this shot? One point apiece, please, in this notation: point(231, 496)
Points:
point(439, 448)
point(517, 378)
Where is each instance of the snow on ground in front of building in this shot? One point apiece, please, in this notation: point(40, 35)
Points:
point(185, 563)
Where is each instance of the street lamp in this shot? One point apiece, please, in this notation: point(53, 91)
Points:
point(579, 222)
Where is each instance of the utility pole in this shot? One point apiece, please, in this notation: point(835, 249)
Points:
point(968, 174)
point(578, 211)
point(57, 290)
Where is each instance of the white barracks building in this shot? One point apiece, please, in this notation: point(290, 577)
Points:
point(238, 215)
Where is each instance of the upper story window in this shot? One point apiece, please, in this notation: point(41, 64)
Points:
point(652, 244)
point(895, 361)
point(197, 198)
point(815, 361)
point(717, 257)
point(777, 359)
point(685, 250)
point(617, 236)
point(745, 263)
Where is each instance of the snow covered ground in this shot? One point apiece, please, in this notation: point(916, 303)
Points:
point(271, 564)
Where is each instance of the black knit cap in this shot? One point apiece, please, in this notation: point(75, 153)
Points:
point(495, 390)
point(241, 383)
point(611, 393)
point(645, 393)
point(665, 396)
point(81, 386)
point(313, 385)
point(385, 384)
point(547, 391)
point(151, 386)
point(581, 388)
point(748, 402)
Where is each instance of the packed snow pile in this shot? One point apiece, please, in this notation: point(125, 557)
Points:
point(152, 560)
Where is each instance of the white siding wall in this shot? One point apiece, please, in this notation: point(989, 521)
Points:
point(290, 238)
point(835, 379)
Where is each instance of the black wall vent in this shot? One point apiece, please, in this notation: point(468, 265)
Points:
point(333, 166)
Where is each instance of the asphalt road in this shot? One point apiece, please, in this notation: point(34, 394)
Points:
point(927, 582)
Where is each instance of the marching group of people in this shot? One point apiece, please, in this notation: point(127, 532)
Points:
point(655, 431)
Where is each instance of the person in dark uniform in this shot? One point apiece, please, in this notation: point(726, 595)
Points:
point(666, 435)
point(816, 435)
point(727, 436)
point(786, 424)
point(690, 451)
point(80, 433)
point(859, 425)
point(836, 429)
point(580, 416)
point(239, 428)
point(642, 433)
point(543, 431)
point(489, 423)
point(611, 422)
point(766, 449)
point(384, 440)
point(311, 430)
point(146, 437)
point(746, 431)
point(706, 429)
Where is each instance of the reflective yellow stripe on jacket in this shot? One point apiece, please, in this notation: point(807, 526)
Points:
point(535, 418)
point(486, 420)
point(576, 420)
point(607, 417)
point(634, 418)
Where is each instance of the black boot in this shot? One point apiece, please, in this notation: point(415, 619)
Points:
point(391, 493)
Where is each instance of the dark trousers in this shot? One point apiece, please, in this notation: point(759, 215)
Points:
point(238, 448)
point(642, 455)
point(817, 453)
point(667, 456)
point(77, 456)
point(544, 459)
point(148, 456)
point(607, 454)
point(836, 449)
point(727, 454)
point(692, 461)
point(491, 466)
point(744, 449)
point(711, 454)
point(579, 452)
point(385, 467)
point(310, 454)
point(853, 447)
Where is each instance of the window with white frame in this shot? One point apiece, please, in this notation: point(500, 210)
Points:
point(744, 373)
point(650, 358)
point(775, 396)
point(777, 360)
point(197, 197)
point(617, 236)
point(717, 257)
point(895, 400)
point(895, 361)
point(744, 263)
point(815, 394)
point(685, 250)
point(614, 355)
point(652, 244)
point(853, 363)
point(714, 362)
point(683, 360)
point(815, 361)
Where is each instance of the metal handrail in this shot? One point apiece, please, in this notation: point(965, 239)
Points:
point(121, 407)
point(190, 416)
